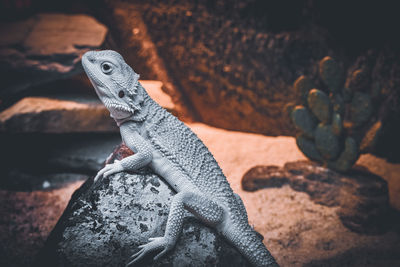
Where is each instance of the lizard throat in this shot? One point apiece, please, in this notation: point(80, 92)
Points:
point(138, 116)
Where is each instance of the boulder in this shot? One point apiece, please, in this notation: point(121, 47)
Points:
point(41, 114)
point(45, 47)
point(69, 113)
point(133, 39)
point(232, 75)
point(105, 223)
point(235, 63)
point(361, 197)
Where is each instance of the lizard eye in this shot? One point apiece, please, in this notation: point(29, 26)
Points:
point(121, 94)
point(106, 68)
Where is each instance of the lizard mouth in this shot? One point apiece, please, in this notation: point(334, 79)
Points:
point(113, 105)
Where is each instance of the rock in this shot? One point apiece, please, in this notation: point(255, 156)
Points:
point(361, 108)
point(304, 121)
point(327, 142)
point(297, 231)
point(69, 113)
point(105, 223)
point(254, 178)
point(320, 105)
point(132, 38)
point(246, 61)
point(361, 197)
point(233, 77)
point(39, 114)
point(331, 73)
point(45, 47)
point(364, 203)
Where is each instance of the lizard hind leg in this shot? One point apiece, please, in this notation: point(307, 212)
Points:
point(242, 208)
point(243, 212)
point(199, 205)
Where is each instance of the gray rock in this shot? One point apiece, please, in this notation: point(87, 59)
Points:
point(105, 223)
point(45, 47)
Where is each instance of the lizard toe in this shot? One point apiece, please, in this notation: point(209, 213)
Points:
point(154, 244)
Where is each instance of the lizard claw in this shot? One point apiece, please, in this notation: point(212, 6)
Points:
point(109, 169)
point(154, 244)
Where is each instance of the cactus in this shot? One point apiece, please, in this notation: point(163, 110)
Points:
point(335, 124)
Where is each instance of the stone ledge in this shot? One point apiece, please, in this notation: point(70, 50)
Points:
point(69, 114)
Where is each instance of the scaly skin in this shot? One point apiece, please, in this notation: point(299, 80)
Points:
point(173, 151)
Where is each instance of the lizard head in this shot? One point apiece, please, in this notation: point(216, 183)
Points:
point(115, 82)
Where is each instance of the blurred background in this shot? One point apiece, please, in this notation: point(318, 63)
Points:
point(232, 65)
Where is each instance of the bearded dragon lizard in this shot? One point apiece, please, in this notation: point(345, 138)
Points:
point(165, 144)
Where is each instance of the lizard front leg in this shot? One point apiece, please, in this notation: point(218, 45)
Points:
point(202, 207)
point(143, 156)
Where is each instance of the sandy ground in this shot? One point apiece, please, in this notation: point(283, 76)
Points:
point(26, 219)
point(237, 152)
point(296, 230)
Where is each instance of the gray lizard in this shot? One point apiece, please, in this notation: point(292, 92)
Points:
point(161, 141)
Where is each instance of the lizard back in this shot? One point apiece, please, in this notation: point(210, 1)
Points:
point(179, 144)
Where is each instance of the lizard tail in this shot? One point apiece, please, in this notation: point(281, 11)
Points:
point(251, 246)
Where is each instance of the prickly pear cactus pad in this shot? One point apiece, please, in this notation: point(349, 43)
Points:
point(335, 116)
